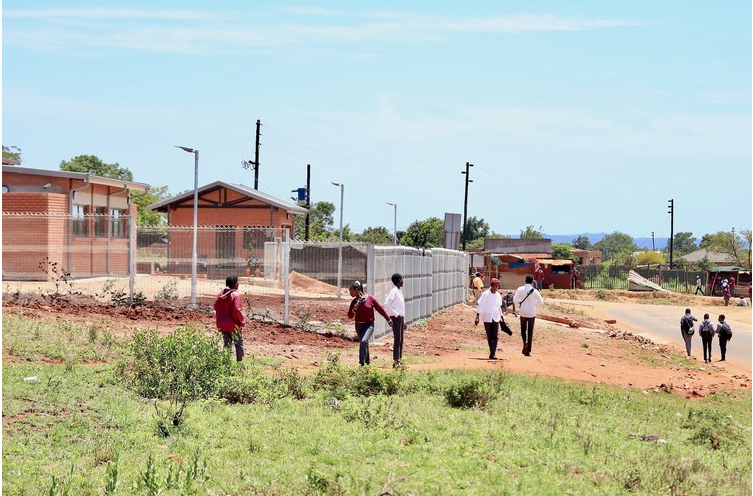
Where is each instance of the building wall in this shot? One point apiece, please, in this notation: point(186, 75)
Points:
point(36, 246)
point(508, 245)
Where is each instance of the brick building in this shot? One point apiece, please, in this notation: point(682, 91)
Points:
point(57, 222)
point(223, 209)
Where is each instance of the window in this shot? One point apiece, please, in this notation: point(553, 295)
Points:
point(100, 222)
point(118, 223)
point(80, 221)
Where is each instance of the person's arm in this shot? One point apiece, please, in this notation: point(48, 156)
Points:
point(389, 301)
point(351, 308)
point(236, 310)
point(380, 308)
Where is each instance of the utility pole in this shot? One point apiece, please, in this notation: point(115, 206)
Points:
point(653, 244)
point(308, 197)
point(671, 230)
point(256, 155)
point(255, 163)
point(465, 203)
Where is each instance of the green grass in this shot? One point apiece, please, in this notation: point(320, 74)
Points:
point(81, 430)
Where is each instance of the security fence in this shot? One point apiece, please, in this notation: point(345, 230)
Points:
point(108, 257)
point(616, 277)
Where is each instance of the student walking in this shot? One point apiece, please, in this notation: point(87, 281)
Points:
point(686, 328)
point(527, 298)
point(489, 310)
point(706, 330)
point(698, 286)
point(228, 308)
point(394, 304)
point(361, 309)
point(724, 331)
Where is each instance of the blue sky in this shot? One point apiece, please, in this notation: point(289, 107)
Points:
point(584, 116)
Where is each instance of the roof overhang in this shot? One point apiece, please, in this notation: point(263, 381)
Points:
point(80, 176)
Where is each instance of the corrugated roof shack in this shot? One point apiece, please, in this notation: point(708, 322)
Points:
point(511, 270)
point(558, 274)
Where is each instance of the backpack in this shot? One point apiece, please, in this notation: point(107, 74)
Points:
point(725, 331)
point(706, 328)
point(686, 325)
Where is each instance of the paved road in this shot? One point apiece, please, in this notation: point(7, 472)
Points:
point(662, 324)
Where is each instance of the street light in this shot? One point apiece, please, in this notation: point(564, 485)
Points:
point(340, 250)
point(394, 232)
point(195, 218)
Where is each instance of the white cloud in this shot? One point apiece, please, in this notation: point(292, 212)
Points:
point(185, 31)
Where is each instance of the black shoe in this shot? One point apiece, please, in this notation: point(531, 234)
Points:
point(492, 357)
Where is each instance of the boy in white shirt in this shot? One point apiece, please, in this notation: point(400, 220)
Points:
point(394, 305)
point(527, 297)
point(489, 308)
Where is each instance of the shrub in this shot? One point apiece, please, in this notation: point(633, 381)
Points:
point(370, 382)
point(469, 392)
point(185, 365)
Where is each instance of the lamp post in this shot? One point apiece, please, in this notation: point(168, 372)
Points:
point(195, 218)
point(394, 231)
point(340, 249)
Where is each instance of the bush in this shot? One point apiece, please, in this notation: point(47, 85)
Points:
point(468, 392)
point(370, 382)
point(185, 365)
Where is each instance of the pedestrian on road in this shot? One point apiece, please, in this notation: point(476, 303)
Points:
point(724, 331)
point(478, 287)
point(228, 308)
point(527, 298)
point(489, 310)
point(706, 330)
point(394, 304)
point(538, 277)
point(726, 294)
point(698, 286)
point(686, 328)
point(361, 309)
point(507, 303)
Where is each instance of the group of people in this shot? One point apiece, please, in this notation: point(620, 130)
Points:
point(490, 306)
point(707, 330)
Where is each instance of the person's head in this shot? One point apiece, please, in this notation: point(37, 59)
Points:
point(397, 279)
point(494, 285)
point(356, 288)
point(231, 282)
point(478, 274)
point(529, 279)
point(705, 316)
point(687, 311)
point(721, 317)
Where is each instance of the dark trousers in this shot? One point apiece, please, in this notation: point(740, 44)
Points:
point(235, 338)
point(526, 330)
point(698, 289)
point(492, 336)
point(364, 330)
point(706, 342)
point(723, 347)
point(398, 331)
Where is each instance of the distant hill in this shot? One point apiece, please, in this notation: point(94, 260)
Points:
point(658, 243)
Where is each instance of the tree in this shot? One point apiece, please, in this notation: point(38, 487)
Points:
point(321, 218)
point(684, 243)
point(476, 229)
point(375, 235)
point(531, 233)
point(616, 246)
point(647, 257)
point(562, 251)
point(12, 152)
point(732, 245)
point(705, 241)
point(582, 243)
point(144, 216)
point(92, 164)
point(427, 233)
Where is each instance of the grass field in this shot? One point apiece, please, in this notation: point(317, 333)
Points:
point(74, 423)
